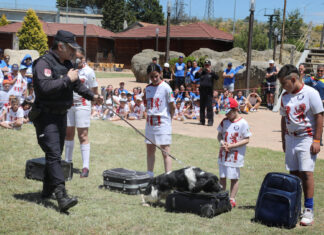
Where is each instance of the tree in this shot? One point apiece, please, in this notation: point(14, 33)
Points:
point(259, 40)
point(149, 11)
point(31, 35)
point(93, 5)
point(113, 15)
point(3, 20)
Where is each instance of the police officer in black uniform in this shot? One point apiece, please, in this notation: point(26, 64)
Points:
point(55, 79)
point(207, 78)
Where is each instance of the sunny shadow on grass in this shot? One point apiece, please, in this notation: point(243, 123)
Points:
point(104, 212)
point(113, 75)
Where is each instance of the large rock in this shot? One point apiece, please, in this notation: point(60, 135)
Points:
point(141, 60)
point(220, 60)
point(16, 56)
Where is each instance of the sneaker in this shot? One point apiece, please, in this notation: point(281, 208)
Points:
point(307, 217)
point(84, 173)
point(233, 203)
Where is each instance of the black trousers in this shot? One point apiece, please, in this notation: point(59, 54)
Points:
point(51, 131)
point(206, 97)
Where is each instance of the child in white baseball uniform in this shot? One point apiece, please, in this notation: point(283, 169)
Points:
point(160, 109)
point(79, 116)
point(13, 115)
point(301, 131)
point(233, 135)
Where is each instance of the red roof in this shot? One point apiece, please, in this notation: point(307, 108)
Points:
point(51, 28)
point(196, 30)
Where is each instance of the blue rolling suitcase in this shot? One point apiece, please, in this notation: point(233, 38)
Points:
point(279, 201)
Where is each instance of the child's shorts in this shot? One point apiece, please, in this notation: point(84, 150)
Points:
point(159, 139)
point(229, 172)
point(79, 116)
point(298, 155)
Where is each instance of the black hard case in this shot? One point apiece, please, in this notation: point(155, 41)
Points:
point(35, 169)
point(126, 181)
point(203, 204)
point(279, 200)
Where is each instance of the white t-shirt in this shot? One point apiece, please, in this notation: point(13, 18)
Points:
point(233, 132)
point(26, 112)
point(13, 116)
point(88, 77)
point(299, 110)
point(253, 100)
point(19, 88)
point(178, 111)
point(197, 110)
point(4, 98)
point(157, 106)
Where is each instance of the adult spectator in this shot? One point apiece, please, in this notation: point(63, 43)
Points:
point(167, 73)
point(302, 73)
point(207, 78)
point(229, 76)
point(179, 72)
point(192, 72)
point(122, 88)
point(109, 91)
point(188, 68)
point(154, 61)
point(253, 101)
point(78, 116)
point(28, 62)
point(55, 80)
point(4, 64)
point(271, 78)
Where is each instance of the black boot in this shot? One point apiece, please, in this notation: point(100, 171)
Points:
point(210, 123)
point(63, 200)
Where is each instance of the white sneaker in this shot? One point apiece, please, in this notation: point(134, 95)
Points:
point(307, 217)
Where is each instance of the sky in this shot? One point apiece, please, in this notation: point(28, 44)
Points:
point(311, 10)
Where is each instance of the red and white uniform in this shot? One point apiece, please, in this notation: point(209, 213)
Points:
point(299, 110)
point(123, 111)
point(232, 133)
point(157, 105)
point(138, 111)
point(4, 98)
point(12, 116)
point(79, 114)
point(19, 88)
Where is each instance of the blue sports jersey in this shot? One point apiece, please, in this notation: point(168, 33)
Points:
point(316, 84)
point(229, 81)
point(180, 70)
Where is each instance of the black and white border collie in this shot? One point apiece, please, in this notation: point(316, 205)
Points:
point(190, 179)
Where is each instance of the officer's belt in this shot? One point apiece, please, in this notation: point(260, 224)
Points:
point(54, 111)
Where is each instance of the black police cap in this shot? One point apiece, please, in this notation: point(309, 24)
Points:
point(67, 37)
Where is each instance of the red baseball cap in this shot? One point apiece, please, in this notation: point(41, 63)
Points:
point(232, 105)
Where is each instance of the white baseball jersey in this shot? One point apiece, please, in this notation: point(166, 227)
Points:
point(123, 111)
point(4, 98)
point(26, 112)
point(197, 110)
point(232, 133)
point(88, 78)
point(299, 110)
point(13, 116)
point(139, 110)
point(19, 87)
point(178, 111)
point(157, 106)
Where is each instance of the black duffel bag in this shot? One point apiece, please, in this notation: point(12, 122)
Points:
point(203, 204)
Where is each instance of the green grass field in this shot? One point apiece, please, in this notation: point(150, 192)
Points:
point(104, 212)
point(113, 75)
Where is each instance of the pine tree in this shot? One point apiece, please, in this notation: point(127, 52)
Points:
point(113, 15)
point(31, 35)
point(149, 11)
point(3, 20)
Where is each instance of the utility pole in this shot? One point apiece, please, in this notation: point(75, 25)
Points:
point(234, 17)
point(322, 38)
point(248, 59)
point(275, 39)
point(157, 30)
point(283, 32)
point(168, 33)
point(270, 27)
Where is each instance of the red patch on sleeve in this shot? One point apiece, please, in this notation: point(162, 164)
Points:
point(47, 72)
